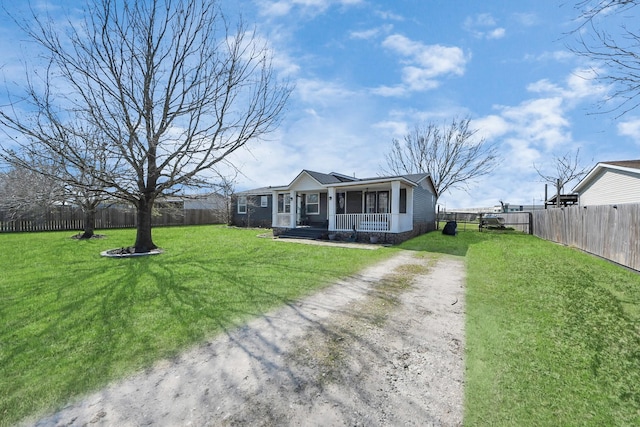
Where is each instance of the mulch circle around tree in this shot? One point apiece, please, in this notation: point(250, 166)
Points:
point(128, 252)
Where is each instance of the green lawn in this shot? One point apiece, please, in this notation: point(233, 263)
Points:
point(72, 320)
point(552, 333)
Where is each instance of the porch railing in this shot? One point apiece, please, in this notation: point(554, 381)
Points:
point(363, 222)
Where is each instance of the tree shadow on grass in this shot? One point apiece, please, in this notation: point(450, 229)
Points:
point(106, 322)
point(185, 311)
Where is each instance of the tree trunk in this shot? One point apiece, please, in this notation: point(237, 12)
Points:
point(144, 242)
point(89, 222)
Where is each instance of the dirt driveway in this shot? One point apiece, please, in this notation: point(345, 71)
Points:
point(382, 348)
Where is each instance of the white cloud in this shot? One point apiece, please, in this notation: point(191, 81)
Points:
point(630, 128)
point(419, 79)
point(320, 93)
point(389, 15)
point(491, 127)
point(540, 121)
point(390, 91)
point(497, 33)
point(526, 19)
point(371, 33)
point(483, 25)
point(579, 85)
point(308, 7)
point(423, 64)
point(556, 55)
point(397, 129)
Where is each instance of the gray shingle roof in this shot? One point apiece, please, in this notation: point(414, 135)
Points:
point(323, 178)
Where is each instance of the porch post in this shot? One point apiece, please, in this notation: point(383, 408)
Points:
point(410, 191)
point(294, 210)
point(274, 209)
point(395, 206)
point(331, 205)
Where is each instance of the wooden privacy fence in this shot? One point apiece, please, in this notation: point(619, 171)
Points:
point(68, 218)
point(611, 231)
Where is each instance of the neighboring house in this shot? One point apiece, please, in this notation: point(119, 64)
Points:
point(214, 201)
point(187, 202)
point(610, 183)
point(395, 207)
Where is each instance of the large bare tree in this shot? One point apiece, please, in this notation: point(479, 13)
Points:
point(170, 86)
point(608, 34)
point(451, 153)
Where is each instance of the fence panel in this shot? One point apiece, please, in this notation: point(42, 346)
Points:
point(66, 218)
point(609, 231)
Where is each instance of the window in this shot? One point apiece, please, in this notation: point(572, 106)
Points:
point(341, 203)
point(377, 202)
point(312, 202)
point(264, 201)
point(403, 200)
point(284, 203)
point(383, 202)
point(370, 202)
point(242, 204)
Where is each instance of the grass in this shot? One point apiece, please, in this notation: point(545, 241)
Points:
point(552, 334)
point(72, 320)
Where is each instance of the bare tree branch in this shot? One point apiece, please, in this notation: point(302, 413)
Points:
point(567, 169)
point(27, 193)
point(170, 86)
point(608, 34)
point(451, 154)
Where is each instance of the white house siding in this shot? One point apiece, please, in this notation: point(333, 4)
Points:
point(611, 187)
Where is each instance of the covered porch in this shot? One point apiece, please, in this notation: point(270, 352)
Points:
point(377, 207)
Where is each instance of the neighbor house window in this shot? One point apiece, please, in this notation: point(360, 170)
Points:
point(242, 204)
point(312, 203)
point(264, 202)
point(284, 203)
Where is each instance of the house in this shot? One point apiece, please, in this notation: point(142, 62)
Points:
point(610, 183)
point(393, 208)
point(212, 201)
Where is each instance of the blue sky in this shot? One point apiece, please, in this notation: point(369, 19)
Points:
point(367, 71)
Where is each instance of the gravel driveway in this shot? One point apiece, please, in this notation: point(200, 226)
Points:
point(381, 348)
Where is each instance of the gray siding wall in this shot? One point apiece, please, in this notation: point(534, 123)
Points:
point(424, 208)
point(256, 215)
